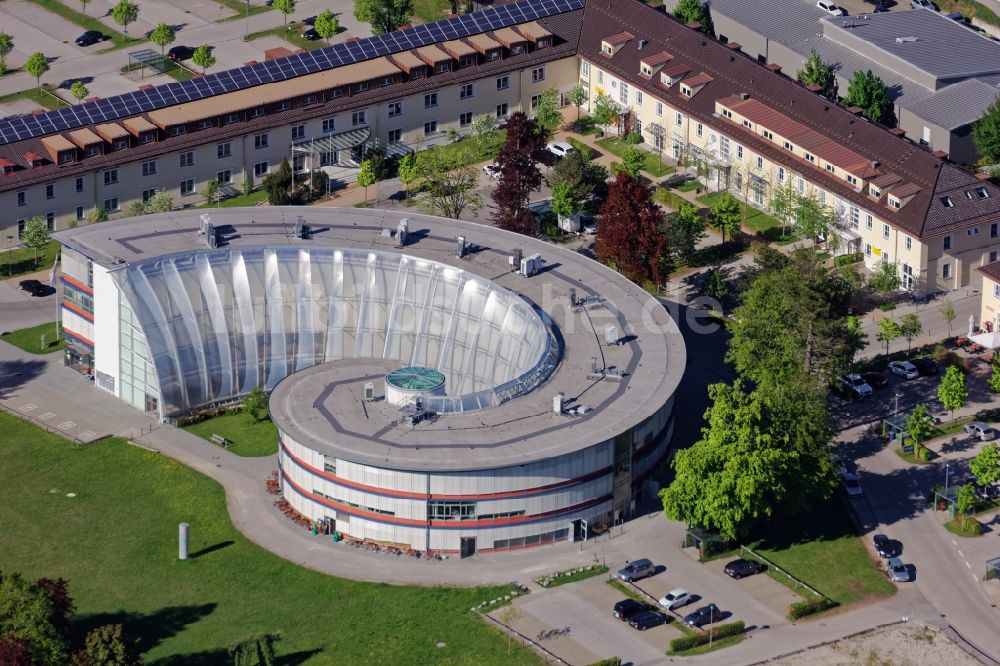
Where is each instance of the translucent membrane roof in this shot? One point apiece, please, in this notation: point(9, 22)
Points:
point(220, 322)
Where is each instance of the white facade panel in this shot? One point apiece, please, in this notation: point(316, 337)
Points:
point(106, 349)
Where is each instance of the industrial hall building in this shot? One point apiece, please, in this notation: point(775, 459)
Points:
point(750, 128)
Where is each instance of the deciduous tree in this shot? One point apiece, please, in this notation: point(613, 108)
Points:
point(910, 327)
point(547, 111)
point(628, 232)
point(884, 279)
point(919, 424)
point(212, 191)
point(784, 200)
point(255, 404)
point(14, 652)
point(286, 7)
point(682, 230)
point(632, 164)
point(108, 645)
point(725, 215)
point(35, 235)
point(366, 176)
point(202, 57)
point(326, 25)
point(408, 173)
point(519, 175)
point(986, 134)
point(448, 183)
point(577, 97)
point(26, 613)
point(606, 111)
point(125, 12)
point(79, 91)
point(383, 15)
point(6, 46)
point(888, 330)
point(694, 11)
point(564, 203)
point(986, 465)
point(965, 499)
point(953, 392)
point(812, 218)
point(948, 312)
point(162, 35)
point(278, 183)
point(587, 179)
point(867, 91)
point(816, 72)
point(37, 65)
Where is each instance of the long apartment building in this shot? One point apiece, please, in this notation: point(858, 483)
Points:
point(697, 99)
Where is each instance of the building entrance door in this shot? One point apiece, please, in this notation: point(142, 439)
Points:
point(468, 546)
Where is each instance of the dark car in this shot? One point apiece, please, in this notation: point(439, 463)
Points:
point(886, 547)
point(704, 615)
point(179, 53)
point(880, 9)
point(876, 380)
point(310, 34)
point(626, 608)
point(33, 287)
point(90, 37)
point(739, 568)
point(648, 618)
point(925, 366)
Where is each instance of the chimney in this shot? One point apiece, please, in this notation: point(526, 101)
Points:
point(694, 25)
point(814, 87)
point(898, 131)
point(774, 68)
point(940, 154)
point(874, 164)
point(856, 110)
point(744, 96)
point(734, 46)
point(91, 99)
point(146, 86)
point(248, 63)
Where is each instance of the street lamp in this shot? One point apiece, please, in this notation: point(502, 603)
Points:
point(947, 469)
point(898, 396)
point(711, 627)
point(10, 254)
point(248, 18)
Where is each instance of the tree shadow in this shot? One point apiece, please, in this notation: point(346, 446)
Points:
point(14, 374)
point(211, 549)
point(221, 656)
point(150, 628)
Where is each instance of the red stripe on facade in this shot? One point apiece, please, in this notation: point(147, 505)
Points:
point(79, 337)
point(78, 310)
point(79, 285)
point(507, 494)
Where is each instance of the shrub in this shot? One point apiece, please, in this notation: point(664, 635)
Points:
point(847, 259)
point(684, 643)
point(810, 607)
point(669, 199)
point(610, 661)
point(633, 138)
point(923, 453)
point(582, 148)
point(966, 526)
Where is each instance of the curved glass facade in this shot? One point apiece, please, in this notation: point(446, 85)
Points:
point(221, 322)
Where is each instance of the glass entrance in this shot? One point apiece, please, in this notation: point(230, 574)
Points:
point(468, 546)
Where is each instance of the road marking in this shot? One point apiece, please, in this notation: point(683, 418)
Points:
point(961, 553)
point(66, 425)
point(954, 543)
point(28, 407)
point(975, 578)
point(968, 565)
point(46, 416)
point(88, 434)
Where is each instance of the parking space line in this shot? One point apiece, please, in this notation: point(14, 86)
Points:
point(46, 416)
point(66, 425)
point(28, 407)
point(968, 565)
point(954, 543)
point(961, 553)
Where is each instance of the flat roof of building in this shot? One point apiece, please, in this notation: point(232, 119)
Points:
point(323, 407)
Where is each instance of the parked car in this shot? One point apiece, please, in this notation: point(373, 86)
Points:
point(675, 599)
point(33, 287)
point(626, 608)
point(886, 547)
point(704, 615)
point(590, 228)
point(91, 37)
point(980, 430)
point(857, 387)
point(648, 618)
point(925, 366)
point(559, 148)
point(851, 485)
point(923, 4)
point(178, 53)
point(988, 492)
point(896, 570)
point(879, 8)
point(876, 380)
point(492, 170)
point(310, 34)
point(903, 369)
point(739, 568)
point(637, 570)
point(830, 8)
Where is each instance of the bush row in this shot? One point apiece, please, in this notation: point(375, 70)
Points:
point(810, 607)
point(610, 661)
point(685, 643)
point(669, 199)
point(847, 259)
point(207, 414)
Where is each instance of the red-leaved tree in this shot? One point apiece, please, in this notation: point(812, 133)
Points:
point(519, 175)
point(628, 231)
point(62, 605)
point(14, 652)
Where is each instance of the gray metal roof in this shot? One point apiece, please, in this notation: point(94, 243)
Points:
point(957, 105)
point(784, 21)
point(940, 47)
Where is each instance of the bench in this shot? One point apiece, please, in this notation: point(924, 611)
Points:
point(221, 441)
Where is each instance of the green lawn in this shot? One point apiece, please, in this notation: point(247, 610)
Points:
point(240, 9)
point(116, 543)
point(22, 260)
point(689, 186)
point(42, 97)
point(564, 577)
point(240, 200)
point(30, 339)
point(758, 221)
point(821, 550)
point(86, 22)
point(247, 438)
point(429, 11)
point(292, 33)
point(654, 164)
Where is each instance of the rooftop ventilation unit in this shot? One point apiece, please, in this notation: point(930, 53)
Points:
point(906, 40)
point(531, 265)
point(206, 219)
point(572, 297)
point(557, 402)
point(514, 258)
point(744, 95)
point(210, 238)
point(460, 246)
point(301, 228)
point(402, 232)
point(369, 392)
point(643, 42)
point(611, 335)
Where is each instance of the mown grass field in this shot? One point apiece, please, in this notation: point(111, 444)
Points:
point(30, 339)
point(247, 437)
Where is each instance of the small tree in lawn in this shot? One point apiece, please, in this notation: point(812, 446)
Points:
point(948, 312)
point(448, 182)
point(725, 215)
point(812, 218)
point(632, 164)
point(286, 7)
point(784, 201)
point(682, 231)
point(35, 235)
point(212, 190)
point(986, 465)
point(888, 330)
point(162, 35)
point(202, 57)
point(366, 176)
point(6, 46)
point(884, 279)
point(36, 65)
point(79, 91)
point(577, 97)
point(108, 645)
point(484, 128)
point(125, 12)
point(255, 404)
point(629, 236)
point(254, 650)
point(326, 25)
point(606, 110)
point(953, 392)
point(547, 111)
point(909, 328)
point(919, 425)
point(965, 499)
point(408, 173)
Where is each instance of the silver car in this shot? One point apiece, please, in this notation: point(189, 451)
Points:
point(903, 369)
point(897, 571)
point(637, 569)
point(851, 485)
point(675, 599)
point(980, 430)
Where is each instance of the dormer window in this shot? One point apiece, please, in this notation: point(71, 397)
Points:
point(850, 179)
point(443, 67)
point(517, 49)
point(388, 80)
point(542, 43)
point(947, 202)
point(646, 69)
point(747, 124)
point(726, 113)
point(768, 135)
point(607, 49)
point(810, 158)
point(832, 169)
point(788, 146)
point(894, 202)
point(982, 193)
point(685, 90)
point(875, 192)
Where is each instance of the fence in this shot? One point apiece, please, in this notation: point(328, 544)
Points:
point(797, 584)
point(42, 424)
point(548, 656)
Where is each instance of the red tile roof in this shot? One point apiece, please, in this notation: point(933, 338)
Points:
point(699, 79)
point(619, 38)
point(658, 59)
point(992, 271)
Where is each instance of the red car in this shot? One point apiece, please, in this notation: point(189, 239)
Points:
point(876, 380)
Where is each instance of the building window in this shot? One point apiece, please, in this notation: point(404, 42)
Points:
point(467, 91)
point(800, 184)
point(781, 174)
point(502, 110)
point(395, 135)
point(638, 97)
point(678, 119)
point(993, 229)
point(623, 93)
point(727, 113)
point(993, 256)
point(224, 150)
point(996, 290)
point(204, 124)
point(947, 242)
point(600, 77)
point(584, 69)
point(493, 54)
point(359, 118)
point(430, 100)
point(869, 222)
point(788, 146)
point(149, 168)
point(768, 135)
point(260, 169)
point(465, 119)
point(80, 213)
point(855, 217)
point(224, 177)
point(110, 178)
point(832, 169)
point(907, 243)
point(148, 137)
point(50, 191)
point(447, 510)
point(79, 184)
point(534, 101)
point(699, 130)
point(982, 193)
point(261, 141)
point(256, 113)
point(111, 205)
point(148, 194)
point(284, 106)
point(885, 231)
point(503, 83)
point(311, 99)
point(810, 158)
point(298, 162)
point(724, 147)
point(430, 127)
point(947, 202)
point(946, 271)
point(974, 231)
point(537, 74)
point(822, 197)
point(760, 162)
point(852, 180)
point(443, 67)
point(395, 109)
point(231, 118)
point(298, 132)
point(868, 249)
point(187, 159)
point(187, 187)
point(329, 124)
point(659, 109)
point(358, 87)
point(50, 220)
